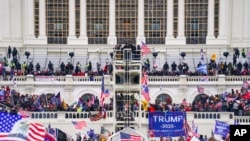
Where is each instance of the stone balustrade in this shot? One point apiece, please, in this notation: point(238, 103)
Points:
point(151, 79)
point(144, 116)
point(242, 119)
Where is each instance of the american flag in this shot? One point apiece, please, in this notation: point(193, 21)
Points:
point(51, 131)
point(14, 128)
point(36, 132)
point(24, 113)
point(144, 88)
point(200, 89)
point(49, 137)
point(204, 78)
point(104, 93)
point(145, 92)
point(245, 84)
point(145, 49)
point(194, 130)
point(7, 122)
point(195, 133)
point(129, 137)
point(79, 124)
point(186, 128)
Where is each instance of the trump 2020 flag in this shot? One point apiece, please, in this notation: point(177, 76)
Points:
point(129, 137)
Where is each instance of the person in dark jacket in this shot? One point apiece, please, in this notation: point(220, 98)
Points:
point(9, 52)
point(38, 67)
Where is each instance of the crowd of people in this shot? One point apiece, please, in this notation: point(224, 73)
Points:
point(13, 101)
point(226, 102)
point(213, 67)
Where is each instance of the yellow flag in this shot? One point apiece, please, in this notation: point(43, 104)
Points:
point(64, 105)
point(145, 105)
point(213, 57)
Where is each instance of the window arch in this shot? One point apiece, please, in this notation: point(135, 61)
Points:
point(86, 97)
point(47, 99)
point(49, 96)
point(163, 99)
point(200, 97)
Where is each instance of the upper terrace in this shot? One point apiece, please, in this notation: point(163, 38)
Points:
point(102, 55)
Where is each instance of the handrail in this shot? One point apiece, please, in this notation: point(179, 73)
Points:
point(60, 59)
point(5, 105)
point(193, 60)
point(45, 62)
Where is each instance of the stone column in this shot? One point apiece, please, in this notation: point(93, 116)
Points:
point(83, 39)
point(6, 36)
point(246, 22)
point(1, 23)
point(68, 94)
point(72, 23)
point(112, 40)
point(181, 39)
point(170, 15)
point(68, 89)
point(140, 26)
point(28, 10)
point(224, 15)
point(210, 23)
point(42, 23)
point(222, 19)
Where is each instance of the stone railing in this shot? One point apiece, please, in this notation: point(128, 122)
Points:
point(87, 78)
point(242, 119)
point(144, 116)
point(152, 80)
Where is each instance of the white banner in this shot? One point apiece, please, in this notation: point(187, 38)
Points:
point(45, 78)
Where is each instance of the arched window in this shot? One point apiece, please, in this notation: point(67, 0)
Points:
point(200, 97)
point(86, 97)
point(50, 97)
point(163, 99)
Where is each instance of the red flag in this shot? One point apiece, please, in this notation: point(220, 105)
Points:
point(246, 96)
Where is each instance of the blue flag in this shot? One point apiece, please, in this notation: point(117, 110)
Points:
point(202, 68)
